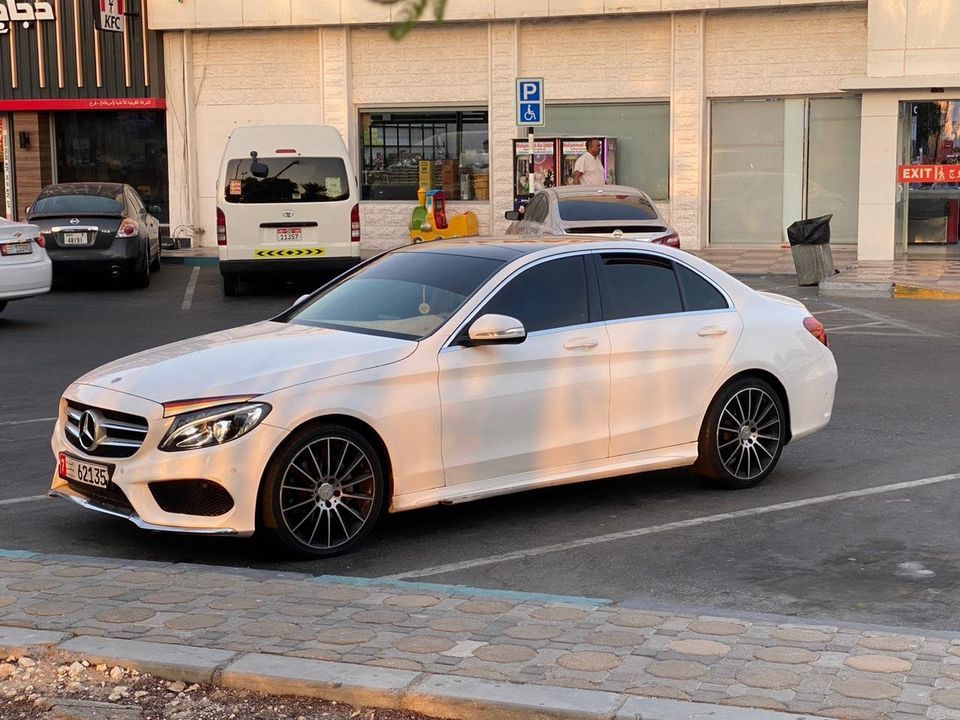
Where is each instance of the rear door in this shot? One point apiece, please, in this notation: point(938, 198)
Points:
point(672, 332)
point(301, 209)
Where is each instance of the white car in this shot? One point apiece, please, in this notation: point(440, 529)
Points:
point(444, 373)
point(25, 269)
point(612, 211)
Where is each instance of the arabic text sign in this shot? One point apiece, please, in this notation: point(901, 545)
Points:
point(14, 11)
point(928, 174)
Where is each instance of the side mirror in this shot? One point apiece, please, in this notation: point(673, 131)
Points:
point(497, 330)
point(26, 209)
point(154, 209)
point(511, 215)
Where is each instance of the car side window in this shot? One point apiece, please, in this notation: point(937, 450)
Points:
point(698, 294)
point(550, 295)
point(636, 286)
point(537, 211)
point(136, 207)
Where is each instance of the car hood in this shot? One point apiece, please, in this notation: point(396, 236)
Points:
point(250, 360)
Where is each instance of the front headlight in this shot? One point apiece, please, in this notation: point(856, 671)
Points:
point(213, 426)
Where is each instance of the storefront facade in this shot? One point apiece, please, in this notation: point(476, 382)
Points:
point(81, 98)
point(737, 120)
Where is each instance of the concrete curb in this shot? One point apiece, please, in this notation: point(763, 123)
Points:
point(836, 287)
point(448, 696)
point(922, 292)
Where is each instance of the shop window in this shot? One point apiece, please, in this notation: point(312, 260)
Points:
point(641, 131)
point(403, 151)
point(124, 147)
point(774, 161)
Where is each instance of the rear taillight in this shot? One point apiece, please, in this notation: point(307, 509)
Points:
point(128, 228)
point(816, 328)
point(671, 240)
point(41, 241)
point(355, 224)
point(221, 227)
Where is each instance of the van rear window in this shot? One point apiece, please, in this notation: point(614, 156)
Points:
point(289, 180)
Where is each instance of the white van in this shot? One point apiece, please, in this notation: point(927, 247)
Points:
point(287, 201)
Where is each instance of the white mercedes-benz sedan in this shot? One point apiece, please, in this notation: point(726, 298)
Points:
point(444, 373)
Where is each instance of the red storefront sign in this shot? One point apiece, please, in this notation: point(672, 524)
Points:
point(83, 104)
point(928, 174)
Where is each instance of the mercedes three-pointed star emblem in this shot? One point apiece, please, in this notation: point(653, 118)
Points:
point(90, 431)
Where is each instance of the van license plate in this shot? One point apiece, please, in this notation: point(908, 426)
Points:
point(289, 234)
point(75, 238)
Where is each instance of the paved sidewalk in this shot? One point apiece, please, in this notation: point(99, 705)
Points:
point(436, 634)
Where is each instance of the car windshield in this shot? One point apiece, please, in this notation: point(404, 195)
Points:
point(289, 180)
point(93, 201)
point(406, 294)
point(606, 207)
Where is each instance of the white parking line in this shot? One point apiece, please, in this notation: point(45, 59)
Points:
point(668, 527)
point(27, 422)
point(29, 498)
point(191, 286)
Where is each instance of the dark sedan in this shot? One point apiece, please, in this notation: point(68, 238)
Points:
point(98, 227)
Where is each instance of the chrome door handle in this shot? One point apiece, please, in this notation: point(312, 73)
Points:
point(581, 344)
point(711, 330)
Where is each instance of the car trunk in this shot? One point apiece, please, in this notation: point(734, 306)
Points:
point(68, 232)
point(627, 230)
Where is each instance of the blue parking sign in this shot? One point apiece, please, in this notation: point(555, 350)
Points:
point(530, 101)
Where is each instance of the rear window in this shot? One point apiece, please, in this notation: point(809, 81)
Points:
point(290, 180)
point(77, 204)
point(606, 207)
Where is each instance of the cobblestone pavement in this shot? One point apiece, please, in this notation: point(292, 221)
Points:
point(828, 670)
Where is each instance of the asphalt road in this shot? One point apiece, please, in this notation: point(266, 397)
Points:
point(865, 548)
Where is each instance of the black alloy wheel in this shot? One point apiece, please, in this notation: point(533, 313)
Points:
point(323, 492)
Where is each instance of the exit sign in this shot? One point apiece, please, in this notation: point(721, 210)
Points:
point(111, 16)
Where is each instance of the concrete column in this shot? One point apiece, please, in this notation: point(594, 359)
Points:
point(504, 63)
point(687, 131)
point(181, 129)
point(336, 99)
point(878, 176)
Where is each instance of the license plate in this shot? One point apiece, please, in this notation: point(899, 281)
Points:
point(94, 474)
point(75, 238)
point(290, 234)
point(16, 248)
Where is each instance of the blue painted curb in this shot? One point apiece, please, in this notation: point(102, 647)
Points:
point(16, 554)
point(461, 590)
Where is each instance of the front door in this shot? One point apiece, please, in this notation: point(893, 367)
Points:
point(671, 334)
point(540, 404)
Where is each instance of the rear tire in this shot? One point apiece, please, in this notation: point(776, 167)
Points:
point(323, 492)
point(230, 284)
point(742, 435)
point(141, 276)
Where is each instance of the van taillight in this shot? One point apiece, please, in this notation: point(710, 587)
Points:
point(355, 224)
point(816, 328)
point(221, 228)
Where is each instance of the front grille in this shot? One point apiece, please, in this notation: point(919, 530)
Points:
point(192, 497)
point(110, 495)
point(120, 435)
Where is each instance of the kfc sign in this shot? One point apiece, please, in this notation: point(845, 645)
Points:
point(111, 16)
point(928, 174)
point(18, 11)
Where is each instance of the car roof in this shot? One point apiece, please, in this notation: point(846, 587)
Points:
point(83, 188)
point(568, 190)
point(509, 247)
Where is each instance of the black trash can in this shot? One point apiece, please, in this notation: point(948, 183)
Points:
point(810, 247)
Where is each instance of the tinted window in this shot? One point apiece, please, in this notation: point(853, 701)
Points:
point(90, 199)
point(637, 288)
point(407, 294)
point(550, 295)
point(698, 294)
point(606, 207)
point(290, 180)
point(537, 211)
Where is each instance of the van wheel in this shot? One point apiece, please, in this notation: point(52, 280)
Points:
point(230, 284)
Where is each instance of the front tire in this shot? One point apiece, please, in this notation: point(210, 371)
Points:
point(743, 434)
point(323, 492)
point(155, 263)
point(229, 284)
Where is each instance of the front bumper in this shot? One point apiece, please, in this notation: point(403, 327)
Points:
point(236, 466)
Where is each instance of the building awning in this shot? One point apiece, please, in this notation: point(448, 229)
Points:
point(83, 104)
point(910, 82)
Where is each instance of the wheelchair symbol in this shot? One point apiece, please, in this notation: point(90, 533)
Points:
point(529, 115)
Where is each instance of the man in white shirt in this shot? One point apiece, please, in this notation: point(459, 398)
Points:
point(588, 170)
